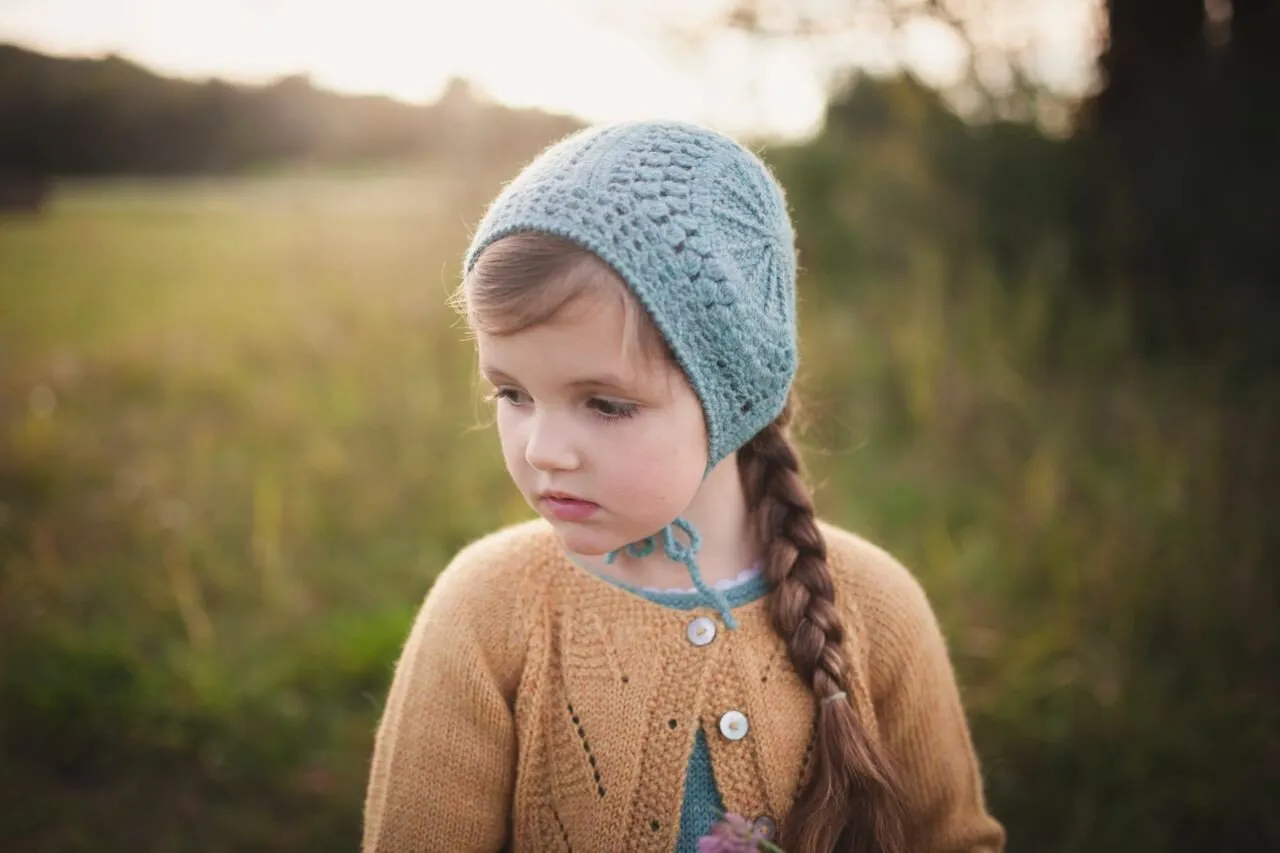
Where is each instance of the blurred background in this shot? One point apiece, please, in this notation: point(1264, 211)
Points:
point(239, 430)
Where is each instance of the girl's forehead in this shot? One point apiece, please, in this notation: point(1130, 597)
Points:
point(589, 337)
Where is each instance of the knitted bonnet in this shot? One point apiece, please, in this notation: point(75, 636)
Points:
point(697, 228)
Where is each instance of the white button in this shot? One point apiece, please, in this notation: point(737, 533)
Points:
point(766, 826)
point(701, 631)
point(733, 725)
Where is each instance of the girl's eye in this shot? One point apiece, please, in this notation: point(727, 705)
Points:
point(613, 409)
point(510, 395)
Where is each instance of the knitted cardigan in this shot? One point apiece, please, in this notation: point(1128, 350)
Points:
point(538, 707)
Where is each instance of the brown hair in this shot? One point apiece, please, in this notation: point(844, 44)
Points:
point(851, 802)
point(526, 279)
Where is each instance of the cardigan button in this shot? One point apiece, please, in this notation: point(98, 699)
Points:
point(766, 827)
point(733, 725)
point(701, 631)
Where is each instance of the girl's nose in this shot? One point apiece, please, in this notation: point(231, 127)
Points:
point(550, 445)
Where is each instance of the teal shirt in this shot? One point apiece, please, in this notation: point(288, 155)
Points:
point(702, 805)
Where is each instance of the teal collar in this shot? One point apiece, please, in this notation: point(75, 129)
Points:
point(687, 553)
point(735, 596)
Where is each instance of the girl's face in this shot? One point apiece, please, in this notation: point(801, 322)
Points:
point(607, 445)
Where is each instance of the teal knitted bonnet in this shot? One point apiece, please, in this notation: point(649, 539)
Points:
point(697, 228)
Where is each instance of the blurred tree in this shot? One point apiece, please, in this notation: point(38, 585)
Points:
point(1174, 162)
point(993, 42)
point(1188, 125)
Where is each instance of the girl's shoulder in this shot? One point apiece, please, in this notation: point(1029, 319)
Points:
point(887, 605)
point(864, 569)
point(501, 561)
point(492, 581)
point(470, 629)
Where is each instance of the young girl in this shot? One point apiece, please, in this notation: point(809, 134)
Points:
point(677, 636)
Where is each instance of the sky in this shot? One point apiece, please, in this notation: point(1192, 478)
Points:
point(573, 56)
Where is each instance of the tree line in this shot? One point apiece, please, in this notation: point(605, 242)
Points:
point(110, 116)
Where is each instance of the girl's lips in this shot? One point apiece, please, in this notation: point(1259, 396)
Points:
point(569, 509)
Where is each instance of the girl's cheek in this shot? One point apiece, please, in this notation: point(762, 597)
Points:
point(509, 429)
point(509, 415)
point(644, 452)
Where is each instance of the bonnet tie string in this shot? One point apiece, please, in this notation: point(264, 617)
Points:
point(686, 553)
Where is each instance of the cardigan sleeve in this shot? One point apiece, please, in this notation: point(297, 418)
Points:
point(922, 722)
point(444, 757)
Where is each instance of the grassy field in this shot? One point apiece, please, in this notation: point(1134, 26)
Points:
point(239, 433)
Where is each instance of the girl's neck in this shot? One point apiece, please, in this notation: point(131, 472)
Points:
point(720, 514)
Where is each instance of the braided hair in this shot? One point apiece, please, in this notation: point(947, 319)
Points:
point(851, 802)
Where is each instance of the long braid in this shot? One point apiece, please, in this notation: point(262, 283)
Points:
point(851, 803)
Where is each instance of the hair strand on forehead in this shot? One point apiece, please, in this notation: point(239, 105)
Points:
point(529, 278)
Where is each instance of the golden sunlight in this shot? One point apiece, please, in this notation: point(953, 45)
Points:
point(562, 55)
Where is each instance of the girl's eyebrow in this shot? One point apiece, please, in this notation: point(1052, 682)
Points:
point(495, 375)
point(604, 381)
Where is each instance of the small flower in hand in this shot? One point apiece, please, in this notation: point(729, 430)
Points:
point(735, 834)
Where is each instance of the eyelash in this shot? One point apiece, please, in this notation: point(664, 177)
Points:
point(499, 394)
point(620, 411)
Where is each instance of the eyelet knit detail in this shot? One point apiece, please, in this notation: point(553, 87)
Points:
point(564, 833)
point(586, 746)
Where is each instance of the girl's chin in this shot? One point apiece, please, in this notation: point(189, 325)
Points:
point(589, 543)
point(586, 546)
